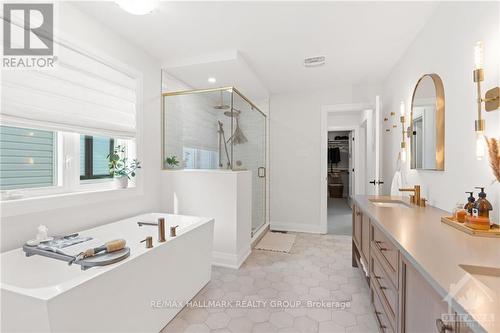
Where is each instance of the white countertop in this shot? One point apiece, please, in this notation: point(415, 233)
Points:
point(436, 250)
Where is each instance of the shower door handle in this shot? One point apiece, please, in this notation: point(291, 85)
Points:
point(261, 172)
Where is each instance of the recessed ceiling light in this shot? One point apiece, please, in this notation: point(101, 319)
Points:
point(211, 80)
point(138, 7)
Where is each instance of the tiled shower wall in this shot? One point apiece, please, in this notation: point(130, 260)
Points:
point(189, 122)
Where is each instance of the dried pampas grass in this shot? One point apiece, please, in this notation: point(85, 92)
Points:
point(494, 152)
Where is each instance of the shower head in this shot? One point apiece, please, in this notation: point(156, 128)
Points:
point(221, 105)
point(231, 114)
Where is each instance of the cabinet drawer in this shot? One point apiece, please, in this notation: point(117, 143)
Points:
point(382, 321)
point(385, 288)
point(387, 252)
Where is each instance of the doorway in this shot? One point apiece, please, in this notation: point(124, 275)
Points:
point(340, 182)
point(361, 120)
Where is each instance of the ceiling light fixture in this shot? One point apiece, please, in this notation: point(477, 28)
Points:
point(138, 7)
point(211, 80)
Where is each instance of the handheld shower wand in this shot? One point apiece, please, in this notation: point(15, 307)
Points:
point(222, 139)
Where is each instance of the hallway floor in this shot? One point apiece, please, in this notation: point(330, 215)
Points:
point(339, 217)
point(318, 270)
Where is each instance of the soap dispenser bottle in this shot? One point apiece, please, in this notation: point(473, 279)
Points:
point(470, 203)
point(482, 205)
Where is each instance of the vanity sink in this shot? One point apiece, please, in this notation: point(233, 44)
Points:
point(489, 276)
point(480, 294)
point(390, 203)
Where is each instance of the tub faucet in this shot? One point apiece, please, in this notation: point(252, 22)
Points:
point(140, 224)
point(161, 228)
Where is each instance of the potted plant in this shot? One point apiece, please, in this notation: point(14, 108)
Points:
point(172, 161)
point(120, 168)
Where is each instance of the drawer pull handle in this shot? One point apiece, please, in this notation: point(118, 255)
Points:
point(377, 277)
point(442, 327)
point(383, 288)
point(358, 213)
point(383, 249)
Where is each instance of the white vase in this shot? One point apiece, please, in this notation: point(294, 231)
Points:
point(122, 182)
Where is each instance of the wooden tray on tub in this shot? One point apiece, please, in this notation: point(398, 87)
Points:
point(493, 232)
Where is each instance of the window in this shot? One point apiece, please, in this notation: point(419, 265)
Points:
point(36, 162)
point(195, 158)
point(45, 115)
point(94, 160)
point(28, 158)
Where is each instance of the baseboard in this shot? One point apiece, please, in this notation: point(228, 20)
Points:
point(243, 255)
point(230, 260)
point(297, 227)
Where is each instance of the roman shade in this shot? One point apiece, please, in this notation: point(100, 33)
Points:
point(82, 93)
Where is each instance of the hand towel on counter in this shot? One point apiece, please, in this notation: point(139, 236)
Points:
point(396, 184)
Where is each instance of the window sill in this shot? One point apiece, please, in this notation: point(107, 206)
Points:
point(36, 204)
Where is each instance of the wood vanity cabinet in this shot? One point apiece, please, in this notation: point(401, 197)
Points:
point(403, 301)
point(384, 282)
point(361, 233)
point(423, 308)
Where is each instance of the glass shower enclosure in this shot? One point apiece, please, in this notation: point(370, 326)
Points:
point(216, 129)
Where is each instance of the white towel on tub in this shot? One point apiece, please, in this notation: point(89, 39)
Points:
point(396, 184)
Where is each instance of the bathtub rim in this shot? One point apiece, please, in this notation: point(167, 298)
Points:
point(49, 292)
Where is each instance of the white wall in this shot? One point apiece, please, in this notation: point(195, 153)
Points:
point(445, 46)
point(77, 213)
point(344, 120)
point(295, 143)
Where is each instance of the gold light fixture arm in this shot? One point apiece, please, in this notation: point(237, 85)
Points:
point(491, 99)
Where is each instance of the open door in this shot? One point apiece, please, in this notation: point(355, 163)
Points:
point(372, 149)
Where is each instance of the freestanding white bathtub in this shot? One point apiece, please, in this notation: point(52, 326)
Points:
point(46, 295)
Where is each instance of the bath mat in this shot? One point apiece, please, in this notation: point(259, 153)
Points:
point(276, 241)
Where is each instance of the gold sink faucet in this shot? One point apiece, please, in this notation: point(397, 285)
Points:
point(415, 197)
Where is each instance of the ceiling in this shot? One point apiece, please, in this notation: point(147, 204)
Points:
point(362, 41)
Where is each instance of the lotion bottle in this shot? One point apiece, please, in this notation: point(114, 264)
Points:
point(482, 205)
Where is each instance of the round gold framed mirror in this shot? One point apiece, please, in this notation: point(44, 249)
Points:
point(427, 124)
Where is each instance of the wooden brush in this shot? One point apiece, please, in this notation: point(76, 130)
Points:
point(108, 247)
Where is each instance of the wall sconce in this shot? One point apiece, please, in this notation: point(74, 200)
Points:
point(404, 132)
point(491, 100)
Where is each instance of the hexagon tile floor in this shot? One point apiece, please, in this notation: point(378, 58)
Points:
point(333, 296)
